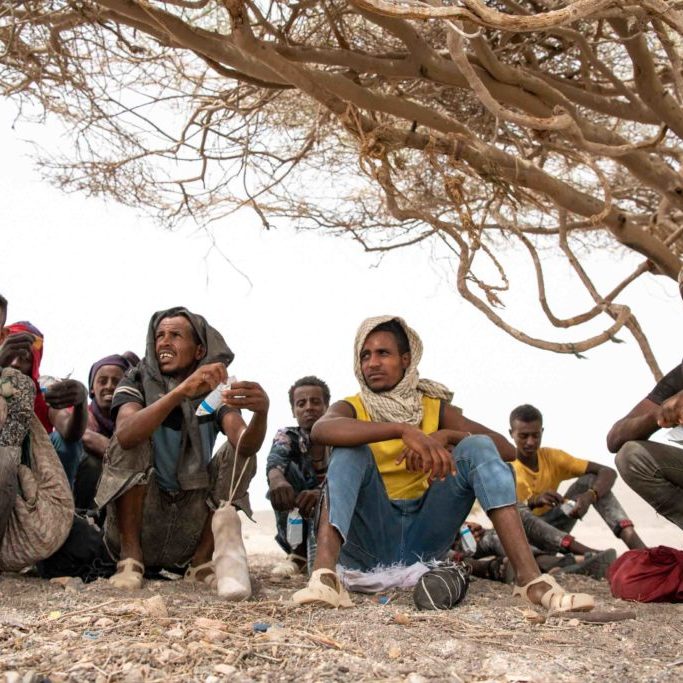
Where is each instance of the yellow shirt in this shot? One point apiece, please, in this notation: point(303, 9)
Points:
point(554, 466)
point(399, 483)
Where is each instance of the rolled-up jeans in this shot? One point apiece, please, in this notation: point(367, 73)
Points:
point(379, 531)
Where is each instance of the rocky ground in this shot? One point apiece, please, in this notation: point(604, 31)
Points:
point(173, 631)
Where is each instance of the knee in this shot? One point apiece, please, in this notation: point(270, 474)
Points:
point(626, 458)
point(478, 448)
point(346, 458)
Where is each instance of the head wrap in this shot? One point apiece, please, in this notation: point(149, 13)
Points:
point(39, 406)
point(114, 359)
point(403, 403)
point(105, 424)
point(191, 473)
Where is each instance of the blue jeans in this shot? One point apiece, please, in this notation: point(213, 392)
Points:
point(378, 531)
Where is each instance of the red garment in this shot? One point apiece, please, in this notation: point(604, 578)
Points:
point(648, 575)
point(39, 406)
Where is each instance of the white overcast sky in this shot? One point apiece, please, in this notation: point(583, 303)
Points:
point(89, 274)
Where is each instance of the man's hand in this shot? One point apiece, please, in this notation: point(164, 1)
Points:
point(306, 501)
point(204, 379)
point(551, 498)
point(449, 437)
point(583, 503)
point(16, 345)
point(423, 453)
point(282, 494)
point(671, 411)
point(66, 393)
point(249, 395)
point(476, 529)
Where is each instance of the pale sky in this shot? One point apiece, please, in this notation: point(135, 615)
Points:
point(90, 273)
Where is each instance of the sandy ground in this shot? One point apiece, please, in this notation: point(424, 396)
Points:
point(174, 631)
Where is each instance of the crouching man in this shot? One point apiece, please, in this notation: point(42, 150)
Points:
point(405, 471)
point(159, 479)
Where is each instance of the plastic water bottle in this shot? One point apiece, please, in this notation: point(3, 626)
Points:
point(467, 542)
point(568, 506)
point(213, 400)
point(295, 528)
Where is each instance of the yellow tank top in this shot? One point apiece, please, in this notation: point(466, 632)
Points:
point(399, 483)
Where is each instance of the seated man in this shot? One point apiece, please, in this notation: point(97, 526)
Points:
point(405, 471)
point(36, 507)
point(60, 406)
point(103, 378)
point(653, 470)
point(539, 473)
point(296, 468)
point(159, 479)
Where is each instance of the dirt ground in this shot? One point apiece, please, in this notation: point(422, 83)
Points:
point(173, 631)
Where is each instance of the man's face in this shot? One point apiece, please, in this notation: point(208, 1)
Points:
point(308, 405)
point(106, 380)
point(381, 363)
point(176, 349)
point(527, 436)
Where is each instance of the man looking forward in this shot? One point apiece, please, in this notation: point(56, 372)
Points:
point(296, 468)
point(404, 473)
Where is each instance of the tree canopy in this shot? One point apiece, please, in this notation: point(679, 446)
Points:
point(479, 125)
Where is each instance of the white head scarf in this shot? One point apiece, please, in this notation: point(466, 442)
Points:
point(403, 403)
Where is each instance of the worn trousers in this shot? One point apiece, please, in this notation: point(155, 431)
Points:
point(655, 472)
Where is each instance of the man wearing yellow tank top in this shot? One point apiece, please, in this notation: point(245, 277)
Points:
point(405, 471)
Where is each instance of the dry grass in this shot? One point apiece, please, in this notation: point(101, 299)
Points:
point(94, 633)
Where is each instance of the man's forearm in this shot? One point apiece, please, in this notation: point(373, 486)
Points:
point(347, 431)
point(139, 426)
point(95, 443)
point(604, 481)
point(631, 429)
point(253, 436)
point(72, 424)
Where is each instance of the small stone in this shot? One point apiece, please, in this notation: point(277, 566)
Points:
point(212, 679)
point(103, 622)
point(175, 632)
point(134, 675)
point(155, 607)
point(393, 651)
point(67, 634)
point(12, 677)
point(415, 678)
point(214, 635)
point(225, 669)
point(203, 622)
point(401, 618)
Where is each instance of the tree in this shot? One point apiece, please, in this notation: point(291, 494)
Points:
point(543, 123)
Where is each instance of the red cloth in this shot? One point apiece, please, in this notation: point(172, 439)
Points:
point(648, 575)
point(39, 406)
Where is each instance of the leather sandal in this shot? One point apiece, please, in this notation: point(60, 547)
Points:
point(127, 574)
point(209, 579)
point(556, 598)
point(291, 566)
point(321, 594)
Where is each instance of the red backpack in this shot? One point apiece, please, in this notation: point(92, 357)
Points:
point(648, 575)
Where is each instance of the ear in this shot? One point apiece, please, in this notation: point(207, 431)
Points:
point(200, 352)
point(405, 360)
point(510, 432)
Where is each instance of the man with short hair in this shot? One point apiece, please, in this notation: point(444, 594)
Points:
point(159, 479)
point(541, 470)
point(296, 469)
point(405, 471)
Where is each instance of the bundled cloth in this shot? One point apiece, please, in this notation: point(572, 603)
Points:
point(648, 575)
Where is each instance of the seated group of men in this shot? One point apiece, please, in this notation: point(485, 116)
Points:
point(387, 476)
